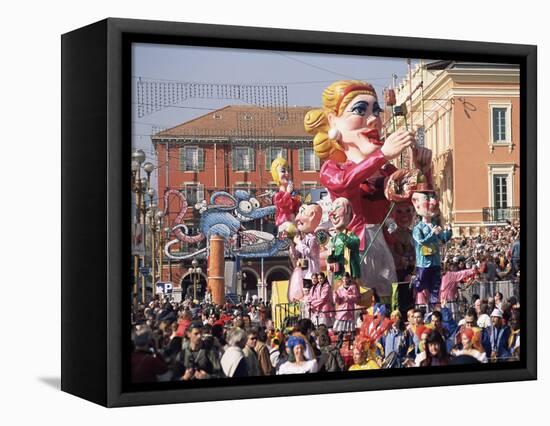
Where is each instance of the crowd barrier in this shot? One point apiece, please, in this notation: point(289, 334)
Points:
point(288, 314)
point(486, 289)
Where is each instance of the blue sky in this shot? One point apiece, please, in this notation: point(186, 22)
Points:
point(304, 74)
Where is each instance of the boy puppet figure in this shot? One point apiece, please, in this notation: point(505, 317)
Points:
point(345, 244)
point(428, 236)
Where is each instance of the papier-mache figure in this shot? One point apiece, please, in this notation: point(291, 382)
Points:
point(306, 244)
point(428, 236)
point(287, 205)
point(402, 245)
point(344, 246)
point(305, 250)
point(402, 248)
point(348, 132)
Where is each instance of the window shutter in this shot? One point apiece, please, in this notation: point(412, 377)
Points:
point(251, 155)
point(268, 158)
point(200, 192)
point(301, 159)
point(200, 155)
point(495, 125)
point(182, 158)
point(234, 158)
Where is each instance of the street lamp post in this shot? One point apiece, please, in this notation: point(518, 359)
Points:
point(143, 210)
point(152, 217)
point(167, 236)
point(195, 272)
point(159, 217)
point(138, 157)
point(240, 276)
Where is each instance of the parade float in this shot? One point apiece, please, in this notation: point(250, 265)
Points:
point(369, 184)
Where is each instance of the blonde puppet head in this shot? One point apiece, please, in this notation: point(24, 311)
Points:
point(279, 171)
point(336, 97)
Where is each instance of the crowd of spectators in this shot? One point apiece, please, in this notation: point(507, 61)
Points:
point(191, 340)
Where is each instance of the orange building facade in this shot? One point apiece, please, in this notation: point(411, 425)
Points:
point(468, 115)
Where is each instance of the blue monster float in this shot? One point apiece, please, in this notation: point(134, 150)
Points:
point(224, 216)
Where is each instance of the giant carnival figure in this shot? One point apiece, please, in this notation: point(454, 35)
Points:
point(428, 236)
point(304, 251)
point(347, 133)
point(344, 245)
point(286, 204)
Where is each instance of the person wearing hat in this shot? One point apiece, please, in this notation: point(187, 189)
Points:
point(498, 335)
point(297, 364)
point(428, 236)
point(362, 360)
point(467, 338)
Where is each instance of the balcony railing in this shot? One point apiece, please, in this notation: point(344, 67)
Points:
point(500, 214)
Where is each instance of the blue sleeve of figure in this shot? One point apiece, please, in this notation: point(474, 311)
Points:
point(417, 235)
point(446, 235)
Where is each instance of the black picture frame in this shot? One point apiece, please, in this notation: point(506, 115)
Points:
point(96, 144)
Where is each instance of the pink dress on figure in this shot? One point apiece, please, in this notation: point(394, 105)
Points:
point(295, 285)
point(361, 183)
point(286, 207)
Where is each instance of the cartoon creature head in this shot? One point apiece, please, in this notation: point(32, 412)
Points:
point(248, 208)
point(341, 213)
point(309, 217)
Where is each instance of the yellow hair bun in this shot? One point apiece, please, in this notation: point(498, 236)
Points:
point(315, 121)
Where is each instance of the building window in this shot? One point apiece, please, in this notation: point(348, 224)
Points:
point(308, 161)
point(191, 158)
point(500, 191)
point(500, 123)
point(272, 153)
point(194, 193)
point(243, 159)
